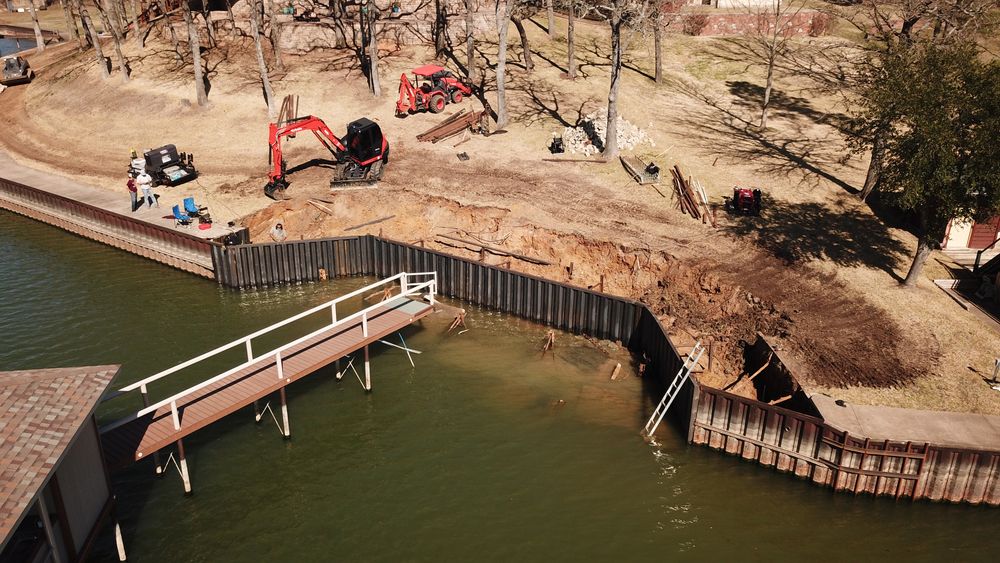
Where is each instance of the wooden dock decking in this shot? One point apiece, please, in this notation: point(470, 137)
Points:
point(132, 440)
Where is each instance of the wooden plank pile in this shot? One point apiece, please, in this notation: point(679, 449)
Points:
point(476, 121)
point(691, 197)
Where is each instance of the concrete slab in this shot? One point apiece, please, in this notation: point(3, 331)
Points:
point(960, 430)
point(114, 201)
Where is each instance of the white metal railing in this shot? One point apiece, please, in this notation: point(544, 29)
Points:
point(408, 286)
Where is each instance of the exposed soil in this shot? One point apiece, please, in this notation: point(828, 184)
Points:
point(818, 270)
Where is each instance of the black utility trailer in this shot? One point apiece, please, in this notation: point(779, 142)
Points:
point(168, 167)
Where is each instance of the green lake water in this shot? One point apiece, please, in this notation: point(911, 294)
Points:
point(467, 457)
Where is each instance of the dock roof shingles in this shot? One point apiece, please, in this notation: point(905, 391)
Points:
point(40, 413)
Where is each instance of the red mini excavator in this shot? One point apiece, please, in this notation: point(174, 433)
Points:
point(360, 157)
point(439, 87)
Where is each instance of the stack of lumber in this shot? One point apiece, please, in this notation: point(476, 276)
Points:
point(691, 197)
point(454, 125)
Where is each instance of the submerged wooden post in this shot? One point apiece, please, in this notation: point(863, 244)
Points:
point(285, 431)
point(119, 542)
point(256, 411)
point(368, 372)
point(184, 467)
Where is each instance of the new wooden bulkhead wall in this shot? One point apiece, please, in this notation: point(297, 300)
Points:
point(773, 436)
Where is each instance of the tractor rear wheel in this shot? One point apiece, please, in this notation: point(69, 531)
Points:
point(456, 97)
point(437, 103)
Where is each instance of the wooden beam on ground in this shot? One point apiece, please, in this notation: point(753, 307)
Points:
point(500, 251)
point(374, 222)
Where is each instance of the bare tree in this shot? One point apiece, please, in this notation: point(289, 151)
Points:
point(207, 16)
point(74, 33)
point(768, 37)
point(503, 11)
point(571, 7)
point(370, 14)
point(88, 26)
point(195, 43)
point(255, 17)
point(275, 37)
point(625, 17)
point(524, 9)
point(552, 18)
point(139, 40)
point(440, 27)
point(470, 42)
point(39, 39)
point(116, 41)
point(662, 14)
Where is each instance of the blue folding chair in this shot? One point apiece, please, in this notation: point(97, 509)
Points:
point(181, 218)
point(191, 208)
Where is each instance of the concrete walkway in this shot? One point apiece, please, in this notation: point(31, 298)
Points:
point(115, 201)
point(948, 429)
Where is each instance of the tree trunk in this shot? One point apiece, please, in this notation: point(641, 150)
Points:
point(39, 40)
point(195, 43)
point(373, 80)
point(139, 41)
point(874, 169)
point(275, 36)
point(116, 41)
point(118, 12)
point(552, 18)
point(88, 26)
point(503, 24)
point(470, 43)
point(930, 237)
point(74, 34)
point(611, 137)
point(658, 52)
point(767, 93)
point(571, 40)
point(529, 65)
point(208, 24)
point(440, 29)
point(105, 11)
point(261, 63)
point(175, 42)
point(924, 249)
point(82, 37)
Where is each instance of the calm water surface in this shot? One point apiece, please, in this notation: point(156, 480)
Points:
point(467, 457)
point(10, 46)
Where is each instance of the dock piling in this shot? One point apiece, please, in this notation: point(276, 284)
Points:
point(286, 431)
point(184, 467)
point(368, 372)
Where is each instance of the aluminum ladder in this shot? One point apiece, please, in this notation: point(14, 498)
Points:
point(675, 386)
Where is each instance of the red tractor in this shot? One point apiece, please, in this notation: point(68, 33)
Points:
point(438, 87)
point(360, 157)
point(745, 201)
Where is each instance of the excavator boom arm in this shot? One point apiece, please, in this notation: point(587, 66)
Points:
point(308, 123)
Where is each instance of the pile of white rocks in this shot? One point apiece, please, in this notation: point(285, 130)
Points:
point(588, 138)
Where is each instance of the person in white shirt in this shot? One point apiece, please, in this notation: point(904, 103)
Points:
point(145, 182)
point(278, 233)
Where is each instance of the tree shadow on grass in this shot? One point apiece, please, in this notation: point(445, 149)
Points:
point(842, 234)
point(749, 96)
point(794, 149)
